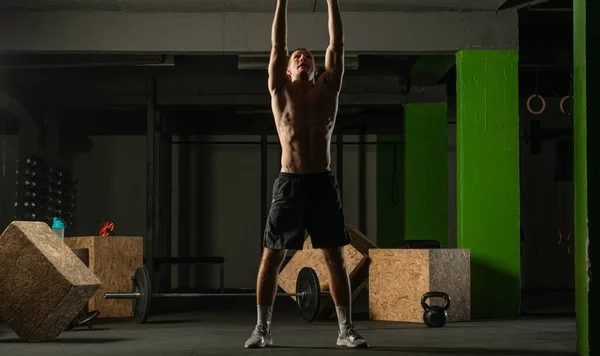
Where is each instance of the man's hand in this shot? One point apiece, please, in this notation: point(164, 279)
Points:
point(334, 58)
point(279, 51)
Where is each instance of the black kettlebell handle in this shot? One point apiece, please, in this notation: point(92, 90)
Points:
point(434, 295)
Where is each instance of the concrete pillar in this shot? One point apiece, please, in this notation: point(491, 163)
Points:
point(426, 172)
point(586, 168)
point(488, 178)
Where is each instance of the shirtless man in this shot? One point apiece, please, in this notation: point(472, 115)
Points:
point(305, 194)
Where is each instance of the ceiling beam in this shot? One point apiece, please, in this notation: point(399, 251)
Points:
point(245, 6)
point(176, 33)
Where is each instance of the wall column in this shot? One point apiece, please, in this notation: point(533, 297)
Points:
point(586, 167)
point(426, 172)
point(488, 178)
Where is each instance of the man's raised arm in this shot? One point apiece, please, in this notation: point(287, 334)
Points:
point(334, 58)
point(279, 60)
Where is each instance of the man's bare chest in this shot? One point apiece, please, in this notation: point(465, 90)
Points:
point(313, 103)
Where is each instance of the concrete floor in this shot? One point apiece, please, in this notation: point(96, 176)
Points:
point(220, 328)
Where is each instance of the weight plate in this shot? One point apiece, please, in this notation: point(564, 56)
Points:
point(309, 291)
point(141, 305)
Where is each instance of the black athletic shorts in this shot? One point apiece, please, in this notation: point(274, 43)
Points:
point(306, 202)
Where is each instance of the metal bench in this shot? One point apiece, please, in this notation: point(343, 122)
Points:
point(217, 260)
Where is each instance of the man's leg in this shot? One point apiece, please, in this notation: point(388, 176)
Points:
point(266, 288)
point(327, 228)
point(266, 284)
point(284, 230)
point(339, 286)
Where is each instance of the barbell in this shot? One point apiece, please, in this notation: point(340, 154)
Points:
point(308, 293)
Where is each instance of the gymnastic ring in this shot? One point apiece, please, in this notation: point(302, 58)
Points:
point(562, 102)
point(529, 104)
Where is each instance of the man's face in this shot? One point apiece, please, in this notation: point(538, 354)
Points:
point(301, 66)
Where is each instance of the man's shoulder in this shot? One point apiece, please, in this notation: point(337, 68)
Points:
point(326, 83)
point(324, 90)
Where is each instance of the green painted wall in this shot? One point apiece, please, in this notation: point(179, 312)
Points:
point(488, 178)
point(426, 172)
point(580, 173)
point(390, 192)
point(584, 160)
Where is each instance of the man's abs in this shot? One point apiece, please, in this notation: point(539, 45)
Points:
point(305, 122)
point(305, 144)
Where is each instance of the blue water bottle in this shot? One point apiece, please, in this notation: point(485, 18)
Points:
point(59, 226)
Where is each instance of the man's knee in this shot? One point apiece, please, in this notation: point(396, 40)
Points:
point(272, 257)
point(334, 257)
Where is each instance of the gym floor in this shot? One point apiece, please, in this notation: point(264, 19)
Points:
point(220, 327)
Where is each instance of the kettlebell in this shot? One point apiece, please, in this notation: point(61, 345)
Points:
point(435, 316)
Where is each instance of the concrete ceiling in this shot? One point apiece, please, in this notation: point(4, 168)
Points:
point(247, 5)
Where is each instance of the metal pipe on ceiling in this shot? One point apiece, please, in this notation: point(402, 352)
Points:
point(158, 61)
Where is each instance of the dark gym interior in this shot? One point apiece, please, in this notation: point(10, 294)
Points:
point(175, 150)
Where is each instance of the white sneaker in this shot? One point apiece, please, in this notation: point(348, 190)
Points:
point(260, 337)
point(351, 338)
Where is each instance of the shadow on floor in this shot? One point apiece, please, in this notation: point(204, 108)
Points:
point(171, 321)
point(69, 341)
point(440, 350)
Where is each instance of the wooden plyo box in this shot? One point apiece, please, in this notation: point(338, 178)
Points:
point(355, 257)
point(43, 284)
point(399, 277)
point(113, 259)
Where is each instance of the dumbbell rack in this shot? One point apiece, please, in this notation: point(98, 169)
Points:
point(46, 192)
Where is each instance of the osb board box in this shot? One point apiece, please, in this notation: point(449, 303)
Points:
point(355, 257)
point(399, 277)
point(114, 260)
point(43, 284)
